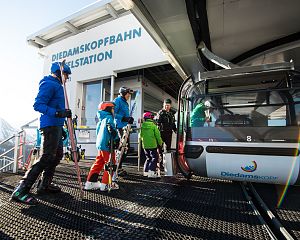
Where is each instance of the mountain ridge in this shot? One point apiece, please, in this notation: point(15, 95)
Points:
point(6, 130)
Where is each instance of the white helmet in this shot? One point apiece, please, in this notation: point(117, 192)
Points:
point(207, 104)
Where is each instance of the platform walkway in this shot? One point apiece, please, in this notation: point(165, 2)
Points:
point(169, 208)
point(288, 213)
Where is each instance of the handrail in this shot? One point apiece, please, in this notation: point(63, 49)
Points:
point(19, 147)
point(9, 138)
point(9, 158)
point(7, 165)
point(3, 154)
point(16, 147)
point(10, 162)
point(27, 124)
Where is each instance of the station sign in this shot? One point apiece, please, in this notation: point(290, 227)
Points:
point(118, 45)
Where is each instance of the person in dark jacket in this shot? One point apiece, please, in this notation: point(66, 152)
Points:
point(151, 139)
point(166, 123)
point(51, 104)
point(122, 118)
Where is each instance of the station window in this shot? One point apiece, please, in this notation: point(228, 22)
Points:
point(92, 98)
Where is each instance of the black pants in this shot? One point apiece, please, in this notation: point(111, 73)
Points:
point(52, 153)
point(166, 136)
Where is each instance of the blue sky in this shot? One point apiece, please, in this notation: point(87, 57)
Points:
point(21, 66)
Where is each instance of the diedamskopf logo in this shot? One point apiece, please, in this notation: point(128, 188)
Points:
point(250, 168)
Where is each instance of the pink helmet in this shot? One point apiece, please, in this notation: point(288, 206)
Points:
point(148, 115)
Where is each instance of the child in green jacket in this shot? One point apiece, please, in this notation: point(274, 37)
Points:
point(151, 139)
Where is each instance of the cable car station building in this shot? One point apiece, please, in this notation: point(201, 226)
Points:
point(106, 48)
point(153, 46)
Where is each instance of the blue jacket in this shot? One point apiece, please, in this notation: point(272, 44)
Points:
point(121, 110)
point(50, 99)
point(103, 135)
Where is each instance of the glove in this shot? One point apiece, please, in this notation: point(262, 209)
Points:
point(64, 135)
point(64, 113)
point(111, 130)
point(128, 119)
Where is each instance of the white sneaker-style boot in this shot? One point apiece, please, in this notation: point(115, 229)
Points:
point(152, 174)
point(104, 187)
point(91, 185)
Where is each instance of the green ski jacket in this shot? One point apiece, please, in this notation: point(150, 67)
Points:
point(150, 135)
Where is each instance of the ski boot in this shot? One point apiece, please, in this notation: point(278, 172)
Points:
point(92, 185)
point(21, 194)
point(122, 172)
point(45, 186)
point(153, 174)
point(104, 187)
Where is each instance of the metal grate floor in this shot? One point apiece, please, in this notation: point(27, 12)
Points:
point(170, 208)
point(289, 212)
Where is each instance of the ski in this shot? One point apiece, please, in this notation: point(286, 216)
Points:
point(110, 164)
point(71, 131)
point(123, 141)
point(80, 152)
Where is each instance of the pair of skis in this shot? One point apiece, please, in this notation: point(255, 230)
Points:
point(80, 151)
point(71, 131)
point(123, 142)
point(122, 148)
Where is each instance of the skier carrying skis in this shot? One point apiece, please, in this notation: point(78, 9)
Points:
point(105, 131)
point(151, 139)
point(51, 104)
point(122, 118)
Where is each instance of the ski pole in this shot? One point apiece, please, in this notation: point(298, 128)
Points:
point(71, 130)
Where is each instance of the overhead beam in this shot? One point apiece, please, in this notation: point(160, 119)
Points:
point(138, 9)
point(110, 9)
point(34, 44)
point(197, 13)
point(71, 27)
point(41, 41)
point(214, 58)
point(267, 47)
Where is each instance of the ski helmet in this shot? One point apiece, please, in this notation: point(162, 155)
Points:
point(207, 104)
point(124, 90)
point(148, 115)
point(56, 67)
point(167, 101)
point(106, 106)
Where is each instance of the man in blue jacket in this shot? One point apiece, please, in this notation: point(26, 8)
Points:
point(122, 117)
point(51, 104)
